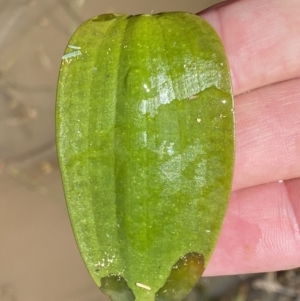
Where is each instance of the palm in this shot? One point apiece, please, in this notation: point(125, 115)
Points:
point(261, 229)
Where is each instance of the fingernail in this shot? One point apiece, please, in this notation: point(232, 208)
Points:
point(216, 6)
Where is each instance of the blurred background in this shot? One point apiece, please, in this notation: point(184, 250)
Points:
point(39, 260)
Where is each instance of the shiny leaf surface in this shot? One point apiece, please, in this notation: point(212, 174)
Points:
point(145, 138)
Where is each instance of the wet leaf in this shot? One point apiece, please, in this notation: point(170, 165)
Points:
point(145, 138)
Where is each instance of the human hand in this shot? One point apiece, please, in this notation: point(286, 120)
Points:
point(261, 229)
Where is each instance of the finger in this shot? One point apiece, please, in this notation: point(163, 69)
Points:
point(261, 231)
point(268, 135)
point(261, 38)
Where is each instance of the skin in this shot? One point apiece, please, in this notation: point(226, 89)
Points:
point(261, 229)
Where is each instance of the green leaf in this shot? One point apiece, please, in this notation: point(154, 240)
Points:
point(145, 138)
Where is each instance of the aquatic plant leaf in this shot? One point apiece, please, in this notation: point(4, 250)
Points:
point(145, 138)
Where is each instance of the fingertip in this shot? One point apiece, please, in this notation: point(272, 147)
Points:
point(215, 6)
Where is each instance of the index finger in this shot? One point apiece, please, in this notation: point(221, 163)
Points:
point(261, 39)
